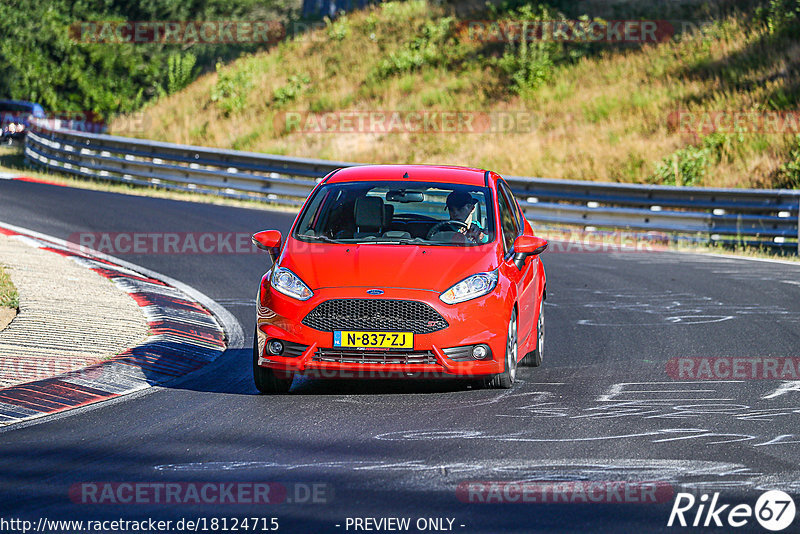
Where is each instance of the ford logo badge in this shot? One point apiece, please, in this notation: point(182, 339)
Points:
point(375, 291)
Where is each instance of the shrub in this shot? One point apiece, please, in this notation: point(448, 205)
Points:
point(434, 45)
point(527, 64)
point(180, 71)
point(686, 166)
point(338, 29)
point(230, 91)
point(780, 15)
point(788, 174)
point(297, 85)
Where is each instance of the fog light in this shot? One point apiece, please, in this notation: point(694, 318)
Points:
point(275, 347)
point(480, 352)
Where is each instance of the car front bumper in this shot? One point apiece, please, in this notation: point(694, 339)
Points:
point(480, 321)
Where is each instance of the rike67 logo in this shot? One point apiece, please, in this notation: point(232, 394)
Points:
point(774, 510)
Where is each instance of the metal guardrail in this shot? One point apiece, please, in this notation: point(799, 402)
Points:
point(745, 215)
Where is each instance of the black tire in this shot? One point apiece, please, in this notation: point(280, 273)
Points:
point(534, 357)
point(266, 380)
point(477, 383)
point(506, 379)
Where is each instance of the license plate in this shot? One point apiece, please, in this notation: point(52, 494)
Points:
point(376, 340)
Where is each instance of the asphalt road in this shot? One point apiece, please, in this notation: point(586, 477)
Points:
point(602, 408)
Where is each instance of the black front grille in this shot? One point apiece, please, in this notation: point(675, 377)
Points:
point(364, 356)
point(459, 354)
point(375, 314)
point(293, 350)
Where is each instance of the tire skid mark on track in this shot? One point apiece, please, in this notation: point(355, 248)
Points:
point(680, 474)
point(184, 336)
point(667, 308)
point(654, 408)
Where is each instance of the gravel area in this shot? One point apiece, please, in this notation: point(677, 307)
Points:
point(69, 316)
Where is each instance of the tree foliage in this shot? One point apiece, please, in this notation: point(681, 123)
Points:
point(41, 60)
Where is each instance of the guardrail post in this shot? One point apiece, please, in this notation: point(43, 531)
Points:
point(798, 225)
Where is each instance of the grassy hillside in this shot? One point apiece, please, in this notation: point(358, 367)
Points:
point(602, 111)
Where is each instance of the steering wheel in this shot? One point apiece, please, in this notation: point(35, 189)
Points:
point(438, 227)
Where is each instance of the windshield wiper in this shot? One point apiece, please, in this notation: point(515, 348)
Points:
point(324, 238)
point(397, 241)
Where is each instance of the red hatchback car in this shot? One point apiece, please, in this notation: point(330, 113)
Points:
point(402, 270)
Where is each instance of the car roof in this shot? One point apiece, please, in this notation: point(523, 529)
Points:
point(33, 106)
point(18, 102)
point(416, 173)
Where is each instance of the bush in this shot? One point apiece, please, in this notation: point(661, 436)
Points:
point(180, 71)
point(692, 162)
point(230, 91)
point(686, 166)
point(297, 85)
point(337, 30)
point(528, 64)
point(435, 45)
point(780, 15)
point(788, 174)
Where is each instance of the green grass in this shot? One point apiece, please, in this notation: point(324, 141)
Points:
point(9, 298)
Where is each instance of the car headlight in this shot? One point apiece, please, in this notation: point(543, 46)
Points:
point(475, 286)
point(286, 282)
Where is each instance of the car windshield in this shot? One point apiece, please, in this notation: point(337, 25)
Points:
point(399, 213)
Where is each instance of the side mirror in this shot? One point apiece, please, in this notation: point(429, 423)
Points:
point(270, 241)
point(527, 245)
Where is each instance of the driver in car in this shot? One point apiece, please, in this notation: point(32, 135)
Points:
point(461, 206)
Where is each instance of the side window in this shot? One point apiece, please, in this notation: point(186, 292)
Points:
point(514, 207)
point(507, 223)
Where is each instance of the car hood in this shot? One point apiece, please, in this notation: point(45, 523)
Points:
point(435, 268)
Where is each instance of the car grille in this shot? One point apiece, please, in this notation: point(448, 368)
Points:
point(363, 356)
point(375, 314)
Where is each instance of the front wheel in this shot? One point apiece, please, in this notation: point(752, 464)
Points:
point(534, 358)
point(506, 379)
point(265, 378)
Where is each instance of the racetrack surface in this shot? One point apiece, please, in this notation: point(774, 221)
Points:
point(603, 406)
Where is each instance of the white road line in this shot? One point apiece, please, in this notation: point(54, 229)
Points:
point(732, 257)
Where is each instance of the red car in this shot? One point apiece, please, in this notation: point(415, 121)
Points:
point(402, 270)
